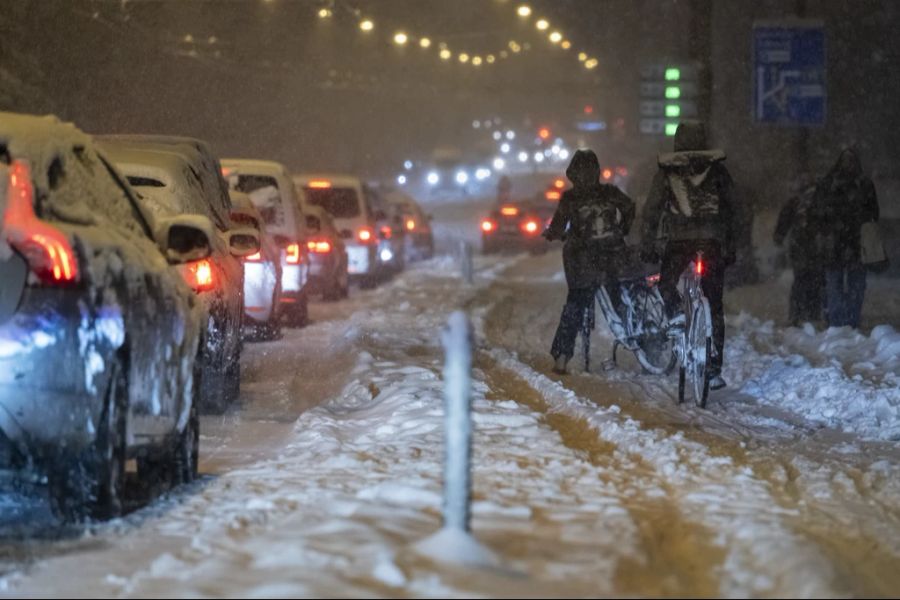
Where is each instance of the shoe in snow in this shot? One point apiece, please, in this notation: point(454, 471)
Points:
point(559, 366)
point(716, 382)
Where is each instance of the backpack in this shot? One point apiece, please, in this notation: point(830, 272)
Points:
point(695, 196)
point(597, 220)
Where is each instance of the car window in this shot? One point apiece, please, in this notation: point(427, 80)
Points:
point(340, 203)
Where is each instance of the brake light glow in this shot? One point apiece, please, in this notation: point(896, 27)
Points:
point(509, 211)
point(410, 225)
point(387, 232)
point(199, 275)
point(319, 247)
point(365, 235)
point(553, 195)
point(320, 184)
point(622, 171)
point(254, 257)
point(699, 267)
point(607, 174)
point(559, 184)
point(46, 249)
point(487, 226)
point(293, 254)
point(530, 226)
point(652, 279)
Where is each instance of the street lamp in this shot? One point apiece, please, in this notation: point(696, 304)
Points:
point(400, 38)
point(566, 44)
point(542, 24)
point(425, 42)
point(463, 58)
point(476, 61)
point(556, 37)
point(446, 54)
point(366, 25)
point(582, 56)
point(524, 11)
point(324, 13)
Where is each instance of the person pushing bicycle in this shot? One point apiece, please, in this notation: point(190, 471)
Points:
point(593, 219)
point(691, 197)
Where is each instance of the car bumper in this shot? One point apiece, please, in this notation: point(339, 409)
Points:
point(361, 259)
point(259, 290)
point(294, 278)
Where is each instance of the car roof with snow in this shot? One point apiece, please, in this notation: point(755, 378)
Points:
point(40, 140)
point(251, 166)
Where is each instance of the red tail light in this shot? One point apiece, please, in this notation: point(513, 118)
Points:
point(365, 235)
point(559, 184)
point(254, 257)
point(293, 254)
point(553, 195)
point(487, 226)
point(699, 267)
point(607, 174)
point(410, 225)
point(530, 226)
point(46, 249)
point(199, 275)
point(387, 232)
point(320, 247)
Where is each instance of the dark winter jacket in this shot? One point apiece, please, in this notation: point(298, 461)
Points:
point(594, 219)
point(798, 223)
point(845, 199)
point(691, 194)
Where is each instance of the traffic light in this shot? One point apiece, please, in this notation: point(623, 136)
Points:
point(544, 133)
point(668, 93)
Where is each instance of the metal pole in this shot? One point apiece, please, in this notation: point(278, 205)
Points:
point(458, 422)
point(465, 251)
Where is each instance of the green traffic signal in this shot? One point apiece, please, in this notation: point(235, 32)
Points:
point(671, 128)
point(673, 74)
point(673, 92)
point(673, 110)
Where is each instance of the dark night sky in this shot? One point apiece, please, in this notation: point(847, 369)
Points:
point(319, 94)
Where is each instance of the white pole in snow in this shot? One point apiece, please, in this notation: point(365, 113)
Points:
point(465, 250)
point(457, 340)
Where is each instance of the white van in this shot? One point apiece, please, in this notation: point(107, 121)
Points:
point(270, 188)
point(342, 196)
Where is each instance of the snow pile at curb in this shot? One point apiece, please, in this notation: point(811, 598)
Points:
point(837, 377)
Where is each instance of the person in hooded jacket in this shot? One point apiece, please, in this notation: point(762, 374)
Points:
point(593, 219)
point(844, 200)
point(798, 224)
point(691, 199)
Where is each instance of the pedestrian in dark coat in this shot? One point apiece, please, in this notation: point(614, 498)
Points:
point(798, 224)
point(845, 200)
point(691, 198)
point(593, 219)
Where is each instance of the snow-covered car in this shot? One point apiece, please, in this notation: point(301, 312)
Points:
point(343, 198)
point(416, 224)
point(98, 333)
point(327, 255)
point(516, 227)
point(389, 231)
point(262, 271)
point(271, 190)
point(170, 180)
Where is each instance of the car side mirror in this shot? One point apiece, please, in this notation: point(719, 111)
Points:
point(185, 238)
point(243, 242)
point(313, 223)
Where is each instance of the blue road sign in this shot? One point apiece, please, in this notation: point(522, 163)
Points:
point(789, 73)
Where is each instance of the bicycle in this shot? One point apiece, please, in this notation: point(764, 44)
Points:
point(642, 328)
point(694, 347)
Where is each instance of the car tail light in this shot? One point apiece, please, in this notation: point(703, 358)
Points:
point(622, 171)
point(199, 275)
point(365, 235)
point(293, 254)
point(410, 225)
point(559, 183)
point(509, 211)
point(320, 184)
point(387, 232)
point(653, 279)
point(553, 195)
point(530, 226)
point(46, 249)
point(699, 267)
point(607, 174)
point(487, 226)
point(254, 257)
point(319, 247)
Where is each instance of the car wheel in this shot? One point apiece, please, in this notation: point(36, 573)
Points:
point(91, 485)
point(187, 451)
point(233, 380)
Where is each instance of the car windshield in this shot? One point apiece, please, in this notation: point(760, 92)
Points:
point(341, 203)
point(263, 192)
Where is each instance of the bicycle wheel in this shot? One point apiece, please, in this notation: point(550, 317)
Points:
point(656, 350)
point(699, 348)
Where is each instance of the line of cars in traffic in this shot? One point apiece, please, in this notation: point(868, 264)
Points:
point(131, 268)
